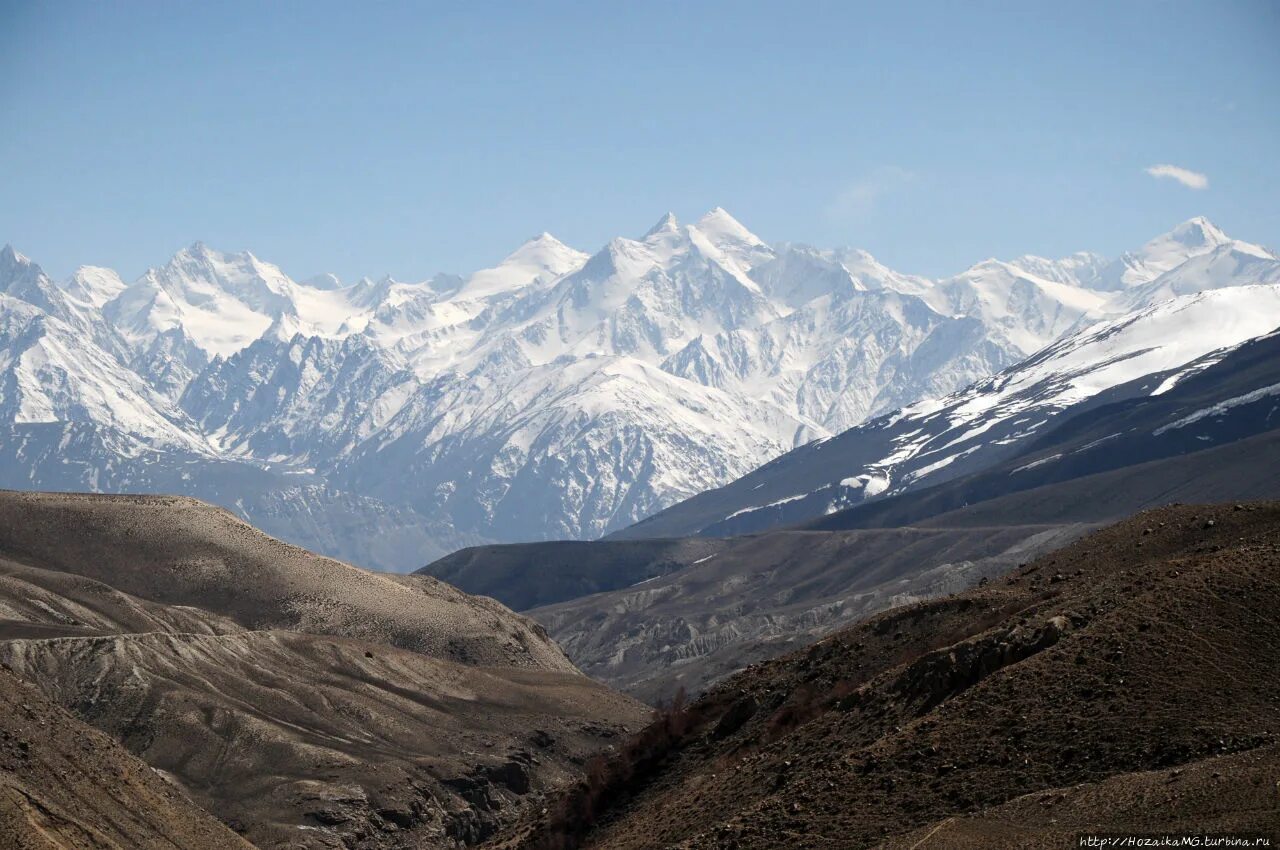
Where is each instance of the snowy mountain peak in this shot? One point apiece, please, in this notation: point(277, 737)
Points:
point(1197, 232)
point(200, 264)
point(18, 271)
point(667, 224)
point(327, 281)
point(543, 257)
point(197, 249)
point(544, 238)
point(721, 227)
point(1191, 238)
point(16, 268)
point(545, 247)
point(1166, 252)
point(202, 254)
point(222, 301)
point(10, 257)
point(552, 394)
point(94, 284)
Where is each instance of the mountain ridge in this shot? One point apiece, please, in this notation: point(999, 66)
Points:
point(942, 438)
point(653, 614)
point(450, 405)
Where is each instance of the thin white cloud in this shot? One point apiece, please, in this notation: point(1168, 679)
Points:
point(1185, 176)
point(859, 198)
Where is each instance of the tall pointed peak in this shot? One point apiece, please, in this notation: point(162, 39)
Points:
point(32, 285)
point(95, 284)
point(543, 243)
point(10, 256)
point(1198, 232)
point(1191, 238)
point(667, 224)
point(541, 258)
point(15, 265)
point(547, 251)
point(544, 238)
point(201, 252)
point(719, 214)
point(720, 225)
point(197, 250)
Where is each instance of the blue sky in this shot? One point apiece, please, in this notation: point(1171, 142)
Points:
point(414, 138)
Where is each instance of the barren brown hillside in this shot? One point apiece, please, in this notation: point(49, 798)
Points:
point(65, 786)
point(1127, 681)
point(303, 702)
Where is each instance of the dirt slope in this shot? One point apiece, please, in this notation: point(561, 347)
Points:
point(65, 786)
point(392, 712)
point(1097, 678)
point(180, 551)
point(1220, 794)
point(39, 603)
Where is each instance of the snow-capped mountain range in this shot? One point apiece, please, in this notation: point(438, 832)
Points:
point(557, 394)
point(1142, 354)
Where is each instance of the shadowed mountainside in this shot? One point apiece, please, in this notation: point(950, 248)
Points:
point(1122, 683)
point(1002, 437)
point(757, 613)
point(1126, 453)
point(759, 596)
point(1237, 471)
point(527, 575)
point(744, 599)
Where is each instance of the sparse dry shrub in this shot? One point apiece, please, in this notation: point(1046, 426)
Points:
point(613, 776)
